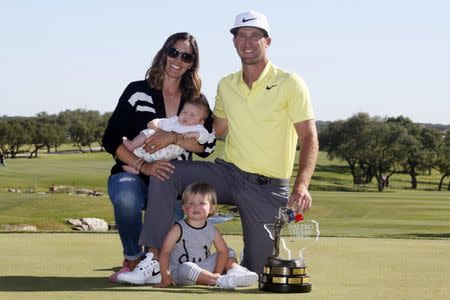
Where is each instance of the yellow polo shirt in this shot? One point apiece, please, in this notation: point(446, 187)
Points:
point(261, 137)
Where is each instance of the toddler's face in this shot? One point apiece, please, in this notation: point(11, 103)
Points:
point(197, 207)
point(191, 115)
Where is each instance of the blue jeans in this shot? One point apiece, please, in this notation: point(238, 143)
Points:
point(128, 194)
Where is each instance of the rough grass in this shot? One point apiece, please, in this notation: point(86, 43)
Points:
point(362, 212)
point(400, 214)
point(90, 170)
point(49, 211)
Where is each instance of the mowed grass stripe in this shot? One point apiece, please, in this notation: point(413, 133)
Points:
point(75, 266)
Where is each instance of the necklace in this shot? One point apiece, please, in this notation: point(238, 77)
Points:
point(166, 94)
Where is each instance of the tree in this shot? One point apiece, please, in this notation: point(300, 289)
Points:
point(58, 133)
point(83, 128)
point(443, 161)
point(381, 153)
point(100, 128)
point(346, 140)
point(46, 131)
point(37, 132)
point(418, 148)
point(372, 147)
point(3, 133)
point(14, 135)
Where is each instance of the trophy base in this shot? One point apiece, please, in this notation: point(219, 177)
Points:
point(285, 276)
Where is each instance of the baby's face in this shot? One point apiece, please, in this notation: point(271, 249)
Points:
point(191, 115)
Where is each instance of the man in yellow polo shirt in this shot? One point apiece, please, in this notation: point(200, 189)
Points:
point(264, 111)
point(261, 117)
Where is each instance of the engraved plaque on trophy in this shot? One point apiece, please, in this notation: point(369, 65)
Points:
point(285, 271)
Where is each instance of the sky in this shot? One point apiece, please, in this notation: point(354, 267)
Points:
point(385, 57)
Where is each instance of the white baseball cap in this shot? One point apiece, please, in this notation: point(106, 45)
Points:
point(251, 19)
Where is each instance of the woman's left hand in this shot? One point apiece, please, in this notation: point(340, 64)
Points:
point(160, 139)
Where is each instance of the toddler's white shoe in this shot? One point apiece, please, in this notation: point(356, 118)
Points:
point(244, 277)
point(226, 282)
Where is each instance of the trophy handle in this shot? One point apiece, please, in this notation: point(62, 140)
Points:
point(274, 231)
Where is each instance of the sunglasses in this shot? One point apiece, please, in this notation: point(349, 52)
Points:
point(185, 57)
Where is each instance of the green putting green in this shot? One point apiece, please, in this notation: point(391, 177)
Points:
point(75, 266)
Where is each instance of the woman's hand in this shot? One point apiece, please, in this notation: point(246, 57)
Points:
point(160, 139)
point(160, 169)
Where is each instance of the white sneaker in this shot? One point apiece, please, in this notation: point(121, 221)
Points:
point(147, 271)
point(244, 277)
point(226, 282)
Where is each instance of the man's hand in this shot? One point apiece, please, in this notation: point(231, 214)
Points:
point(300, 200)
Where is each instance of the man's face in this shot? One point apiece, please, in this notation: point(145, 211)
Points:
point(251, 44)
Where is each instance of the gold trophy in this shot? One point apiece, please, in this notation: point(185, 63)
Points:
point(286, 271)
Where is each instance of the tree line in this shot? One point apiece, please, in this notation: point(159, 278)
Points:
point(82, 128)
point(373, 147)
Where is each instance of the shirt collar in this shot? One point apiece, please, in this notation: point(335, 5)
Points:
point(263, 78)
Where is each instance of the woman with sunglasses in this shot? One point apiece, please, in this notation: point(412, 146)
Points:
point(171, 80)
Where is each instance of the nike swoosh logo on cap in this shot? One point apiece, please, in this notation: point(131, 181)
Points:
point(155, 273)
point(244, 20)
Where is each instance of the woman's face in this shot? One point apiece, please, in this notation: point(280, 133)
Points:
point(176, 66)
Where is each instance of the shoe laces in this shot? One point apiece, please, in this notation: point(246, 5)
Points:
point(226, 282)
point(146, 265)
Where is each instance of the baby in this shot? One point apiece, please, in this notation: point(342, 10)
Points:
point(189, 123)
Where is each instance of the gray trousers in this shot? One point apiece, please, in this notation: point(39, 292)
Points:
point(257, 199)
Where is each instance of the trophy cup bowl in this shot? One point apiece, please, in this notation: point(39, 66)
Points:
point(285, 276)
point(289, 275)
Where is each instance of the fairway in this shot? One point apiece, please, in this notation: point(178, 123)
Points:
point(75, 266)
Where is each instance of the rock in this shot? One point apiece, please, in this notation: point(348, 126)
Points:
point(82, 191)
point(63, 189)
point(88, 224)
point(87, 192)
point(20, 227)
point(75, 222)
point(94, 193)
point(95, 224)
